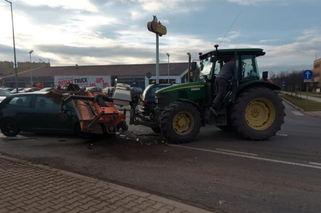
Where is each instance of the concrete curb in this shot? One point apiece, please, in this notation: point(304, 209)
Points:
point(296, 107)
point(305, 112)
point(98, 182)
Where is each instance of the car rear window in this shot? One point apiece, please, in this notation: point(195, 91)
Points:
point(22, 101)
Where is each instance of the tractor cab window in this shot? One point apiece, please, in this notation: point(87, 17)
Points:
point(249, 67)
point(205, 68)
point(217, 68)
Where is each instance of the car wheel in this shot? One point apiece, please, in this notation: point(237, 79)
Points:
point(9, 127)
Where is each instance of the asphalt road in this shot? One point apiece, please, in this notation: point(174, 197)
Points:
point(219, 171)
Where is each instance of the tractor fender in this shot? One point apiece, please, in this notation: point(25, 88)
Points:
point(197, 106)
point(260, 84)
point(231, 97)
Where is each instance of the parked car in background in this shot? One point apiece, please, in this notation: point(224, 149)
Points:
point(30, 89)
point(148, 98)
point(137, 90)
point(35, 112)
point(14, 91)
point(92, 89)
point(7, 88)
point(109, 91)
point(3, 94)
point(46, 89)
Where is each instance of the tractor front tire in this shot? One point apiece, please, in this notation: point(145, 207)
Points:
point(180, 122)
point(258, 113)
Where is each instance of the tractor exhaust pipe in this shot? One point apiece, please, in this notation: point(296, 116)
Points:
point(189, 67)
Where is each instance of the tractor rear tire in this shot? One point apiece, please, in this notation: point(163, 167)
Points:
point(258, 113)
point(180, 122)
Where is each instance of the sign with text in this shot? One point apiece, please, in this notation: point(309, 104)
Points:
point(84, 81)
point(156, 27)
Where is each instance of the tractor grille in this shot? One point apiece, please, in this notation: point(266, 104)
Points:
point(162, 100)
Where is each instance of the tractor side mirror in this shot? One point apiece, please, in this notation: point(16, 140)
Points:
point(193, 65)
point(265, 75)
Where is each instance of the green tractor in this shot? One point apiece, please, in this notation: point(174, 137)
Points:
point(251, 106)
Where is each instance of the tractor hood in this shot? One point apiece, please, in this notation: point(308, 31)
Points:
point(193, 86)
point(189, 91)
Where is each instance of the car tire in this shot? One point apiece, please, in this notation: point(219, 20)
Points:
point(9, 127)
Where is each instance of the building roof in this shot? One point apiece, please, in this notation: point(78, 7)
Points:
point(112, 70)
point(317, 60)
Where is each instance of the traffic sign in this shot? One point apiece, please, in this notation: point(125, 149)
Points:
point(307, 74)
point(307, 80)
point(149, 75)
point(283, 83)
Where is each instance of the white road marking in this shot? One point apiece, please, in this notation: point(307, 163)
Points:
point(313, 163)
point(297, 113)
point(283, 135)
point(237, 152)
point(251, 157)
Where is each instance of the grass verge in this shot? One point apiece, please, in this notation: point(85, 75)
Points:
point(312, 94)
point(306, 105)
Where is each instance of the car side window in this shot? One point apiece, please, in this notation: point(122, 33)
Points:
point(21, 101)
point(41, 102)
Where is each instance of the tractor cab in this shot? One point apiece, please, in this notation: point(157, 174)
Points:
point(245, 61)
point(246, 68)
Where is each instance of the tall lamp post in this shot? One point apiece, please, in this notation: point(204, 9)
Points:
point(14, 47)
point(168, 67)
point(31, 51)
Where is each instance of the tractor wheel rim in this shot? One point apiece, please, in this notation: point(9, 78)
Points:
point(183, 123)
point(260, 114)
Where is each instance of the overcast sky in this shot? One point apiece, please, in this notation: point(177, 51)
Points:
point(100, 32)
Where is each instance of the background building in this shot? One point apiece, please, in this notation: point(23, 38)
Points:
point(7, 67)
point(133, 74)
point(317, 72)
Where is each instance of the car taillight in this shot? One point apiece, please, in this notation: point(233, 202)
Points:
point(144, 101)
point(271, 81)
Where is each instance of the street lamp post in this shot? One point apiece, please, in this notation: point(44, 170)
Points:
point(31, 51)
point(14, 47)
point(168, 67)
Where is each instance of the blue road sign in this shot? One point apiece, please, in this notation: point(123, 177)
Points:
point(283, 83)
point(307, 74)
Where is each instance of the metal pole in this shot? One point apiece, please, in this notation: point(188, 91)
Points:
point(157, 59)
point(189, 67)
point(31, 51)
point(306, 102)
point(168, 69)
point(14, 47)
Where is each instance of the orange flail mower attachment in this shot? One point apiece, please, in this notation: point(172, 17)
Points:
point(95, 110)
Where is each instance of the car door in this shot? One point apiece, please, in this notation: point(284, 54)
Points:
point(19, 108)
point(47, 115)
